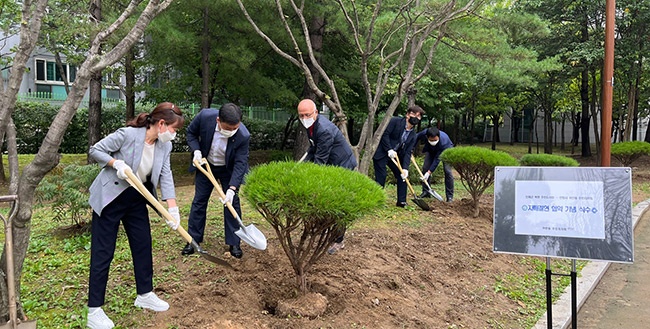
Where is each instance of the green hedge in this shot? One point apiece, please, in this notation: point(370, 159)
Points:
point(548, 160)
point(628, 152)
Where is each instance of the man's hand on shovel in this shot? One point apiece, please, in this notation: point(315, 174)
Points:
point(426, 176)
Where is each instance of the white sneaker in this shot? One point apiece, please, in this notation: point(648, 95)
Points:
point(152, 302)
point(97, 319)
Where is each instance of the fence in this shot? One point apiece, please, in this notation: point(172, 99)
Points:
point(251, 112)
point(56, 99)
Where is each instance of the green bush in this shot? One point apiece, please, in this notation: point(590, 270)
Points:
point(309, 206)
point(475, 165)
point(628, 152)
point(548, 160)
point(65, 189)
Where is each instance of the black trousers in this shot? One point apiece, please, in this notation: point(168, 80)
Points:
point(202, 191)
point(131, 208)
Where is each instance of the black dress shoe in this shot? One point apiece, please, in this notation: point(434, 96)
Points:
point(425, 194)
point(236, 252)
point(450, 199)
point(187, 250)
point(401, 204)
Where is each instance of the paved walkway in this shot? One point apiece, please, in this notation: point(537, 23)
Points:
point(621, 299)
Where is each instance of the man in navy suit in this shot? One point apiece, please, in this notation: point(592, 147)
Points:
point(397, 143)
point(328, 146)
point(221, 138)
point(435, 141)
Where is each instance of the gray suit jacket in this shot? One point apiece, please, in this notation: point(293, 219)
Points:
point(127, 144)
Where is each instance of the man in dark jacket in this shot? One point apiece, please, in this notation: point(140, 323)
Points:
point(435, 141)
point(221, 138)
point(327, 144)
point(397, 142)
point(327, 147)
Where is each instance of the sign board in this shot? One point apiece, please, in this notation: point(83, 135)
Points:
point(571, 212)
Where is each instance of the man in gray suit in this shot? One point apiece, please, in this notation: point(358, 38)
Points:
point(327, 147)
point(221, 138)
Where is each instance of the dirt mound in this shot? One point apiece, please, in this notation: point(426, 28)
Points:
point(437, 275)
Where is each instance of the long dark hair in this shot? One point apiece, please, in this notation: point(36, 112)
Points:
point(166, 111)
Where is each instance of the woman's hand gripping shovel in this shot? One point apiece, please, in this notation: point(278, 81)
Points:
point(13, 323)
point(135, 182)
point(429, 189)
point(421, 203)
point(249, 234)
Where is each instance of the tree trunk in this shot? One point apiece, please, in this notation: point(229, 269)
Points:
point(129, 72)
point(316, 31)
point(548, 131)
point(47, 157)
point(594, 109)
point(95, 93)
point(584, 98)
point(205, 61)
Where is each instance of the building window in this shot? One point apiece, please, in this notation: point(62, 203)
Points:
point(49, 71)
point(44, 91)
point(113, 93)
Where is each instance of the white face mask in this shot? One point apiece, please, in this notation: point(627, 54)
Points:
point(226, 133)
point(167, 136)
point(307, 122)
point(434, 142)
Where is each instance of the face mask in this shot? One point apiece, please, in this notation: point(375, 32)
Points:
point(414, 121)
point(167, 136)
point(434, 142)
point(307, 122)
point(227, 133)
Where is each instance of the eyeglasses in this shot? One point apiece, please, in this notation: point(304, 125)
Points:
point(303, 116)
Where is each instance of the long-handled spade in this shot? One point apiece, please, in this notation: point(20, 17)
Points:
point(13, 323)
point(135, 182)
point(249, 234)
point(429, 189)
point(421, 203)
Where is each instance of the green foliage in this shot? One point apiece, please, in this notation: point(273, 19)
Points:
point(475, 165)
point(548, 160)
point(309, 206)
point(628, 152)
point(66, 191)
point(267, 135)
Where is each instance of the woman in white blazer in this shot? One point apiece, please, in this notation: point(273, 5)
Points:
point(143, 146)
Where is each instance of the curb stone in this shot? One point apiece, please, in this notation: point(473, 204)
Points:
point(589, 277)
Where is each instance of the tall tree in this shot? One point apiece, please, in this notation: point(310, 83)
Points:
point(95, 89)
point(47, 157)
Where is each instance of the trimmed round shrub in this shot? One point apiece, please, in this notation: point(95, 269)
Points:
point(548, 160)
point(475, 165)
point(628, 152)
point(309, 206)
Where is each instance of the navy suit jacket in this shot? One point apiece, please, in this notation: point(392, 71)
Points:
point(392, 140)
point(434, 151)
point(200, 133)
point(328, 146)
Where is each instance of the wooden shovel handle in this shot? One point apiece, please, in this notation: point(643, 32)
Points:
point(399, 166)
point(137, 184)
point(217, 186)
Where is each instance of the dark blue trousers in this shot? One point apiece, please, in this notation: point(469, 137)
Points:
point(449, 176)
point(380, 176)
point(202, 191)
point(131, 208)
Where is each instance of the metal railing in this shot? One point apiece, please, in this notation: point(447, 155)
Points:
point(57, 99)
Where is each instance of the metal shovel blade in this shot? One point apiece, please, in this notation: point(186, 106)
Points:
point(421, 203)
point(251, 235)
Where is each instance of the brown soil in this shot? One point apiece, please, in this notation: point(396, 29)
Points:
point(440, 274)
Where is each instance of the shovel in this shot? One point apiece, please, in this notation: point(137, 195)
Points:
point(135, 182)
point(429, 189)
point(13, 323)
point(249, 234)
point(421, 203)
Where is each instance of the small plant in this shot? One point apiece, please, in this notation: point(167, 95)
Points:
point(66, 191)
point(548, 160)
point(309, 206)
point(628, 152)
point(475, 165)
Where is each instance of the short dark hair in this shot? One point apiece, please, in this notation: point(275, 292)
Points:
point(433, 132)
point(415, 109)
point(230, 113)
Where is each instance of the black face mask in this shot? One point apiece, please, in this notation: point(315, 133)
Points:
point(414, 121)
